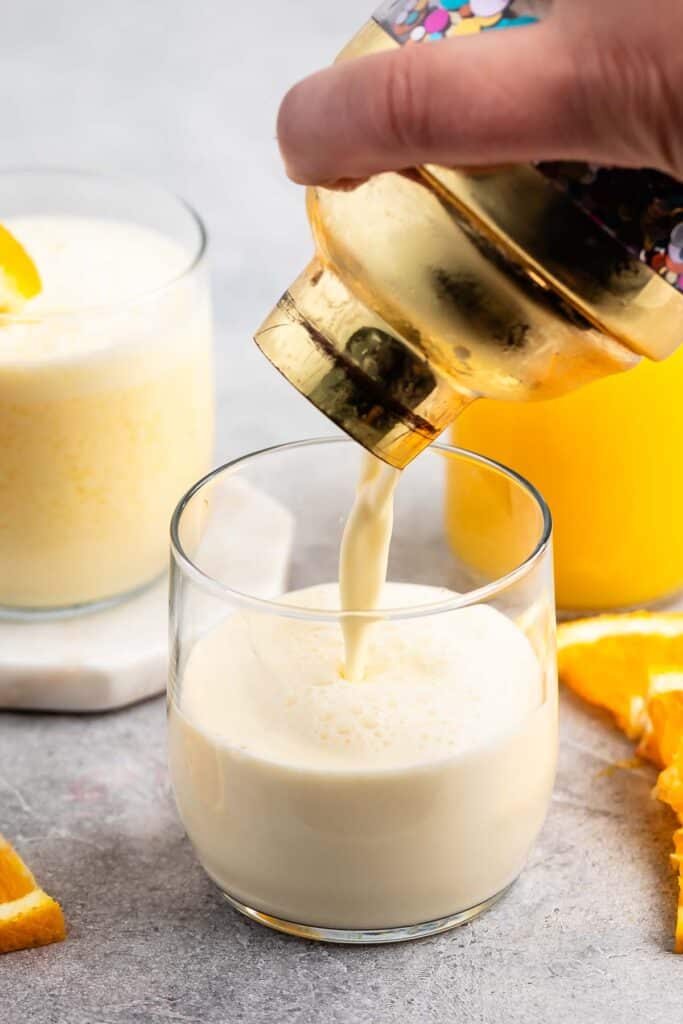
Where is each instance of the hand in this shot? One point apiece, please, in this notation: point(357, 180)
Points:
point(598, 80)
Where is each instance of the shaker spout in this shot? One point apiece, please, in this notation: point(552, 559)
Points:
point(357, 369)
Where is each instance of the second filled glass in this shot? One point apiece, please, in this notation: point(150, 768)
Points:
point(106, 387)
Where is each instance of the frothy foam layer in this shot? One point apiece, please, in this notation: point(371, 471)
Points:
point(434, 687)
point(78, 267)
point(86, 264)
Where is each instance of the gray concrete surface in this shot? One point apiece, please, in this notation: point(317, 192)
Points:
point(185, 93)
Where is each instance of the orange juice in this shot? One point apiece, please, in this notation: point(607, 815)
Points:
point(609, 460)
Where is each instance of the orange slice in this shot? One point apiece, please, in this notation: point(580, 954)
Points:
point(607, 660)
point(28, 916)
point(611, 661)
point(669, 788)
point(19, 277)
point(677, 863)
point(662, 718)
point(663, 744)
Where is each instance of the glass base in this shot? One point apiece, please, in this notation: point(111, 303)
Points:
point(19, 613)
point(369, 936)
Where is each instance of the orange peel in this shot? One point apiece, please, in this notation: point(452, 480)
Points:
point(28, 916)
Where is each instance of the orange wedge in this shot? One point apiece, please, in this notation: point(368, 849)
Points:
point(611, 661)
point(28, 916)
point(19, 278)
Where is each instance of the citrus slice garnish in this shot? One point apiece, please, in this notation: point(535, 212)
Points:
point(612, 661)
point(28, 916)
point(19, 277)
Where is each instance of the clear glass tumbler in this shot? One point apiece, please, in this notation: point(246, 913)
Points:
point(106, 388)
point(383, 809)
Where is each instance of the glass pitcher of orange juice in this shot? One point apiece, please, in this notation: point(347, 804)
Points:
point(608, 458)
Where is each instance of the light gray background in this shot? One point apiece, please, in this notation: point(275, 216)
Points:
point(185, 94)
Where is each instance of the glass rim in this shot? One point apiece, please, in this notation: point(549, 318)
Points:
point(101, 309)
point(478, 595)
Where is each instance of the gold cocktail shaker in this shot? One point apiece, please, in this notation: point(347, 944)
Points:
point(432, 288)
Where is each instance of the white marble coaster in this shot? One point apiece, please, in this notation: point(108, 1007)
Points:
point(94, 662)
point(107, 659)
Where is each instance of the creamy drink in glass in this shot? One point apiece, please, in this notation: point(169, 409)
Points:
point(106, 388)
point(401, 801)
